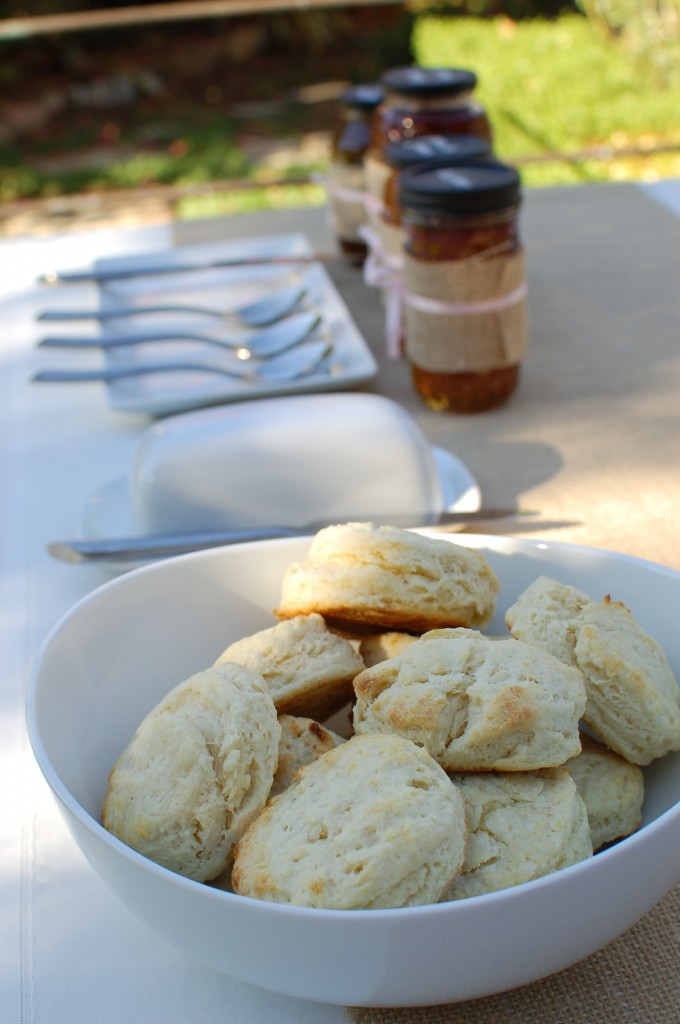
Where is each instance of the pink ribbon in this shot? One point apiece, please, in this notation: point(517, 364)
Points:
point(372, 204)
point(347, 195)
point(492, 305)
point(383, 269)
point(342, 192)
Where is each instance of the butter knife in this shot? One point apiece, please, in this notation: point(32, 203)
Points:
point(150, 268)
point(132, 549)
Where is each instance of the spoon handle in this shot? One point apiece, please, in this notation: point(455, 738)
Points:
point(67, 376)
point(70, 315)
point(133, 338)
point(301, 361)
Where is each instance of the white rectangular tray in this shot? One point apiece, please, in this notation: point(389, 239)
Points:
point(351, 363)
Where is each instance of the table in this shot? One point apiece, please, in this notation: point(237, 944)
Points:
point(590, 441)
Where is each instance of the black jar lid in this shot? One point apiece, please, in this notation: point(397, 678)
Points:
point(366, 97)
point(408, 152)
point(445, 186)
point(422, 82)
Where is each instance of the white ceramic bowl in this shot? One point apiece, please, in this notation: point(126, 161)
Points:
point(121, 648)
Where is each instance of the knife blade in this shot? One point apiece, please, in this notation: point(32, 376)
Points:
point(129, 549)
point(121, 273)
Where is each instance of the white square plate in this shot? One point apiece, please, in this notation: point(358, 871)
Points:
point(351, 363)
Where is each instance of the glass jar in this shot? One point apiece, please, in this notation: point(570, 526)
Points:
point(428, 101)
point(422, 101)
point(464, 296)
point(409, 152)
point(388, 236)
point(346, 181)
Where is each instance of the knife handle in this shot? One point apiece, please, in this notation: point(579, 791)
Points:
point(162, 546)
point(101, 274)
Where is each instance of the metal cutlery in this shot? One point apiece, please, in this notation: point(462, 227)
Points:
point(122, 549)
point(259, 313)
point(119, 273)
point(262, 344)
point(298, 362)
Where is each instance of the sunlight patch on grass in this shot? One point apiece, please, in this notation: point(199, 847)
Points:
point(552, 87)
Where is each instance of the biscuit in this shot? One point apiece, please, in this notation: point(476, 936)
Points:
point(309, 669)
point(544, 614)
point(374, 823)
point(612, 790)
point(633, 697)
point(302, 741)
point(380, 646)
point(521, 826)
point(361, 576)
point(474, 703)
point(196, 772)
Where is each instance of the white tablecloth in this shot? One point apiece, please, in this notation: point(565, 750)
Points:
point(70, 952)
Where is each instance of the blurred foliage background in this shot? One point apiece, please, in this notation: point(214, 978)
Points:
point(577, 90)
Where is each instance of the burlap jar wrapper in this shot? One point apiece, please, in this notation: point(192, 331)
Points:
point(455, 339)
point(392, 240)
point(377, 173)
point(386, 240)
point(346, 187)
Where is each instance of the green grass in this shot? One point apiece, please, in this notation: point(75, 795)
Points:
point(553, 89)
point(559, 88)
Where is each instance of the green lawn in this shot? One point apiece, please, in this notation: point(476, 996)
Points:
point(553, 89)
point(558, 87)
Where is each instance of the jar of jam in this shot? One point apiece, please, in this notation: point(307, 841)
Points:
point(387, 233)
point(464, 288)
point(422, 101)
point(346, 179)
point(409, 152)
point(428, 101)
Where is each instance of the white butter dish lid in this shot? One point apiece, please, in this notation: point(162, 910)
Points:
point(287, 461)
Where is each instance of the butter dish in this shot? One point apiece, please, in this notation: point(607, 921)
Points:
point(282, 462)
point(289, 460)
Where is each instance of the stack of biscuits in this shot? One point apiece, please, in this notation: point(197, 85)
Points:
point(373, 748)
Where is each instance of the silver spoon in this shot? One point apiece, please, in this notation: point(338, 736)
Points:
point(299, 362)
point(269, 341)
point(258, 313)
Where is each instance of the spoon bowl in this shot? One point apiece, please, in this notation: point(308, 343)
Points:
point(262, 344)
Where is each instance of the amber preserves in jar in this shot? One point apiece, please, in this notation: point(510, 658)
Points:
point(464, 284)
point(428, 101)
point(388, 235)
point(346, 181)
point(420, 101)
